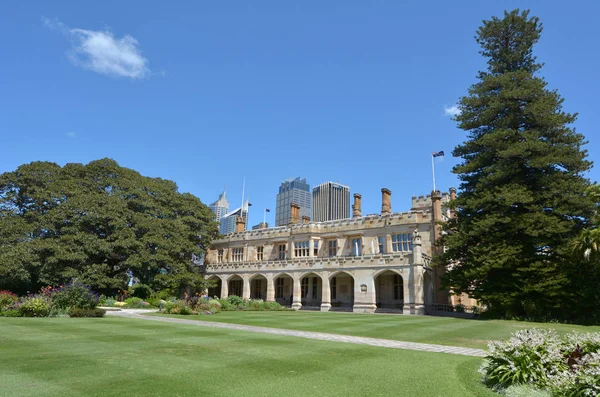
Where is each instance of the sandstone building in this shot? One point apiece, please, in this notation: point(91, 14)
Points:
point(364, 263)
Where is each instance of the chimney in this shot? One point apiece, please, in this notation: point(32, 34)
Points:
point(239, 224)
point(295, 213)
point(436, 202)
point(452, 193)
point(305, 219)
point(356, 210)
point(386, 204)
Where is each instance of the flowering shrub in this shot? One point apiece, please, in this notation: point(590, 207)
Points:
point(7, 299)
point(120, 304)
point(540, 359)
point(34, 306)
point(75, 294)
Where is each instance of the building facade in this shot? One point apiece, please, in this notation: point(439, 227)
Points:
point(362, 264)
point(228, 221)
point(220, 207)
point(331, 201)
point(292, 191)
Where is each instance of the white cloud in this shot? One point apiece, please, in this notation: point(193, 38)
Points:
point(102, 52)
point(71, 134)
point(451, 111)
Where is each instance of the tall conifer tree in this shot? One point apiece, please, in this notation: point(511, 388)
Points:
point(522, 178)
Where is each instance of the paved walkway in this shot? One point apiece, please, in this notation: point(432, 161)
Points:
point(465, 351)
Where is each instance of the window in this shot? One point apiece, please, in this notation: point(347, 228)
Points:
point(315, 285)
point(301, 248)
point(279, 288)
point(220, 256)
point(333, 288)
point(381, 241)
point(281, 248)
point(304, 287)
point(357, 246)
point(238, 254)
point(316, 247)
point(402, 242)
point(259, 253)
point(332, 247)
point(398, 293)
point(235, 287)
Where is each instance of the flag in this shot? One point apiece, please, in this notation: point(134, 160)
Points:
point(267, 210)
point(438, 154)
point(249, 204)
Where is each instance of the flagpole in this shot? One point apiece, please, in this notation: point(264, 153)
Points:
point(265, 218)
point(433, 170)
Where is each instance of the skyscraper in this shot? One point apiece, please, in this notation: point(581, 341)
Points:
point(330, 201)
point(220, 207)
point(292, 191)
point(228, 220)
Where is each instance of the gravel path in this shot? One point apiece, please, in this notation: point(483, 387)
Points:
point(465, 351)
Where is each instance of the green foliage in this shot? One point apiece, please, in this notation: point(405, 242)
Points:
point(98, 223)
point(274, 306)
point(7, 299)
point(75, 294)
point(34, 306)
point(235, 300)
point(78, 312)
point(523, 191)
point(525, 391)
point(109, 302)
point(10, 313)
point(141, 291)
point(226, 305)
point(136, 303)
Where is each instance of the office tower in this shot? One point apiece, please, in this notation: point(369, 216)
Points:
point(330, 201)
point(228, 220)
point(292, 191)
point(220, 207)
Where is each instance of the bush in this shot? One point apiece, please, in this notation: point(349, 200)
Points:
point(154, 302)
point(120, 304)
point(7, 299)
point(10, 313)
point(78, 312)
point(109, 302)
point(34, 306)
point(141, 291)
point(75, 294)
point(226, 306)
point(136, 303)
point(274, 306)
point(235, 300)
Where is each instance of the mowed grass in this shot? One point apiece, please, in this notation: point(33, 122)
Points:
point(425, 329)
point(135, 357)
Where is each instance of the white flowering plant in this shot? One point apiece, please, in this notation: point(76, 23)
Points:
point(541, 359)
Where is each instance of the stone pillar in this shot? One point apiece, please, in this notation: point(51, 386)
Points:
point(246, 287)
point(325, 292)
point(386, 203)
point(436, 203)
point(224, 287)
point(270, 289)
point(452, 193)
point(297, 296)
point(364, 292)
point(305, 219)
point(294, 214)
point(290, 250)
point(356, 207)
point(311, 248)
point(240, 225)
point(417, 248)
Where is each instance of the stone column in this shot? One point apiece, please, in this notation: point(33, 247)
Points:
point(356, 207)
point(436, 202)
point(417, 249)
point(311, 248)
point(240, 224)
point(297, 302)
point(325, 292)
point(386, 202)
point(364, 292)
point(224, 287)
point(246, 287)
point(270, 289)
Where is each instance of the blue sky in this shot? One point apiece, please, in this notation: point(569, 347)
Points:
point(207, 93)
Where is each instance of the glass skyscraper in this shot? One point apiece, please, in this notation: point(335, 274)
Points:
point(330, 201)
point(220, 207)
point(228, 220)
point(292, 191)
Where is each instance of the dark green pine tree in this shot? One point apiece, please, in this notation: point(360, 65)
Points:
point(522, 186)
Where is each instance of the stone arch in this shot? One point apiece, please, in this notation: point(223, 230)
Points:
point(258, 286)
point(235, 284)
point(389, 289)
point(377, 273)
point(341, 289)
point(311, 288)
point(284, 288)
point(216, 289)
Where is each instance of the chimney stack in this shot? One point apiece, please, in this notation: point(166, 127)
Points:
point(295, 213)
point(452, 193)
point(239, 224)
point(386, 204)
point(305, 219)
point(356, 209)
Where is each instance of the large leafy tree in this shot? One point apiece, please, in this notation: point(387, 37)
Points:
point(100, 223)
point(522, 194)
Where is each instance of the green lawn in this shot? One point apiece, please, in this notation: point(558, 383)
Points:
point(426, 329)
point(131, 357)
